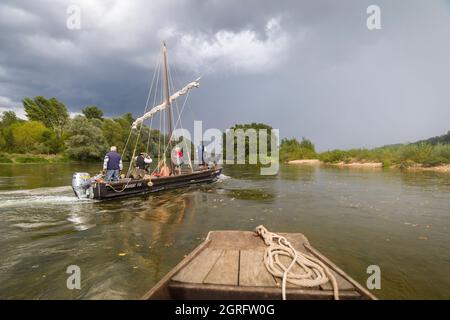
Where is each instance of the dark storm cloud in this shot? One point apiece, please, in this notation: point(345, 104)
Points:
point(310, 68)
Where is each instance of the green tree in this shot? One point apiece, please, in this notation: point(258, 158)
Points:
point(51, 143)
point(8, 118)
point(92, 112)
point(255, 126)
point(307, 144)
point(114, 133)
point(51, 112)
point(28, 135)
point(6, 137)
point(85, 140)
point(291, 149)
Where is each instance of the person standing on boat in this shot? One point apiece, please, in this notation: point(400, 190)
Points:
point(177, 158)
point(112, 165)
point(142, 162)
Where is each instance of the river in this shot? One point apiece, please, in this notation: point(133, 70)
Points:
point(397, 220)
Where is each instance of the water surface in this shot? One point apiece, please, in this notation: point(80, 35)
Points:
point(397, 220)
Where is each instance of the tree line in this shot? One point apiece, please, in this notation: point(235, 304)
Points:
point(428, 153)
point(50, 130)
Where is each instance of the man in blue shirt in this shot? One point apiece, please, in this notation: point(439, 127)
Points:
point(112, 164)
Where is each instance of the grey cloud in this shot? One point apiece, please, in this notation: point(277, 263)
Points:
point(335, 82)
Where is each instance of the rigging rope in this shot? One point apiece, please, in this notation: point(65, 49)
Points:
point(179, 117)
point(155, 74)
point(149, 134)
point(313, 272)
point(178, 120)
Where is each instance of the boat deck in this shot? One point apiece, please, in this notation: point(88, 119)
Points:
point(229, 265)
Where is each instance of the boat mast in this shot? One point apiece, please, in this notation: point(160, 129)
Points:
point(167, 98)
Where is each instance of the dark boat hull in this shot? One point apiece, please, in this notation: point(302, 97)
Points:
point(105, 190)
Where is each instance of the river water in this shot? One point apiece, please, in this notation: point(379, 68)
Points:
point(397, 220)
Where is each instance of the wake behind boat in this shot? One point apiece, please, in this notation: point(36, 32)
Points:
point(140, 181)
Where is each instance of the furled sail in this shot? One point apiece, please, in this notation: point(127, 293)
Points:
point(162, 106)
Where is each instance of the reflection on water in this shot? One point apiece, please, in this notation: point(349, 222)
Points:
point(397, 220)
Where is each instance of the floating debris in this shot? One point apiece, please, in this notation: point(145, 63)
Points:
point(122, 254)
point(423, 238)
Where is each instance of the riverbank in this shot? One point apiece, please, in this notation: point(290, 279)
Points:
point(306, 161)
point(338, 164)
point(372, 165)
point(33, 158)
point(441, 168)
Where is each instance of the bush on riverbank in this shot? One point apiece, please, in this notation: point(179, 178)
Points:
point(291, 149)
point(403, 156)
point(33, 158)
point(5, 159)
point(50, 131)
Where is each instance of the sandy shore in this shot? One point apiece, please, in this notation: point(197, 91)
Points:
point(305, 161)
point(371, 165)
point(359, 164)
point(442, 168)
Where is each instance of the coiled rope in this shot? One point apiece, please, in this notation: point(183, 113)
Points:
point(313, 272)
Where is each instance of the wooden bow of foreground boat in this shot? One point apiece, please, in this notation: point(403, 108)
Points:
point(229, 265)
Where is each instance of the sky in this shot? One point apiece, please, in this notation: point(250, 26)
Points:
point(309, 68)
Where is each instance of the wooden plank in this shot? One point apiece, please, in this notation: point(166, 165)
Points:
point(358, 287)
point(342, 283)
point(252, 271)
point(161, 290)
point(188, 291)
point(226, 269)
point(254, 281)
point(297, 240)
point(247, 240)
point(199, 267)
point(235, 240)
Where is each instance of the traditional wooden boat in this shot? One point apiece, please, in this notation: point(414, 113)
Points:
point(129, 186)
point(86, 186)
point(229, 265)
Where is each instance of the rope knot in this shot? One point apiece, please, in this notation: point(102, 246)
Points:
point(310, 271)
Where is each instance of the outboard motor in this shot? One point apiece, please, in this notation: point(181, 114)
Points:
point(81, 185)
